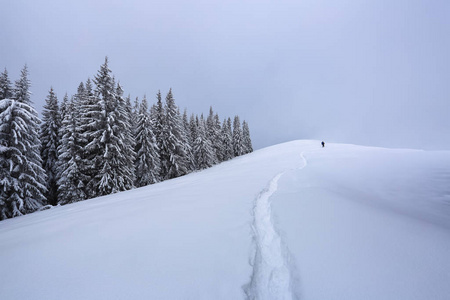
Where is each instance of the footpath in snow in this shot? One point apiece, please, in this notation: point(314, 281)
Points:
point(271, 277)
point(274, 273)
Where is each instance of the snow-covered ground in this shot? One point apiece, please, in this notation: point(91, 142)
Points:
point(292, 221)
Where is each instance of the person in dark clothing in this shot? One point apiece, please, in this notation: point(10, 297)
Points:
point(323, 144)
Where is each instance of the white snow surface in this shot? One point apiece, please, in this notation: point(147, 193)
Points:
point(292, 221)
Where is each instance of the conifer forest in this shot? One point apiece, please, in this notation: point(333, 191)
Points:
point(98, 142)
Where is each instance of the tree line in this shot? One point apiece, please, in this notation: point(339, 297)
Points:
point(97, 143)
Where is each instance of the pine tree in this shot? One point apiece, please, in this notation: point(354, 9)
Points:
point(147, 160)
point(5, 86)
point(237, 137)
point(173, 149)
point(246, 140)
point(49, 136)
point(22, 178)
point(227, 140)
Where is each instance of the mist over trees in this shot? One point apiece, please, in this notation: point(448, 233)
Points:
point(96, 143)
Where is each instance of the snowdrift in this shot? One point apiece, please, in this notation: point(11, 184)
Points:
point(292, 221)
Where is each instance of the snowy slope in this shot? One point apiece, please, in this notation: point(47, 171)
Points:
point(285, 222)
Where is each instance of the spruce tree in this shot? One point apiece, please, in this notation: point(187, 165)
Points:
point(22, 178)
point(188, 142)
point(107, 131)
point(63, 107)
point(211, 134)
point(125, 141)
point(22, 87)
point(246, 140)
point(33, 174)
point(147, 154)
point(158, 118)
point(98, 131)
point(108, 152)
point(193, 134)
point(89, 122)
point(136, 107)
point(173, 149)
point(71, 179)
point(203, 149)
point(187, 160)
point(6, 90)
point(49, 136)
point(133, 112)
point(193, 124)
point(88, 117)
point(217, 142)
point(227, 140)
point(237, 137)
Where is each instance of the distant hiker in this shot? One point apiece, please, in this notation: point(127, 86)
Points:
point(323, 144)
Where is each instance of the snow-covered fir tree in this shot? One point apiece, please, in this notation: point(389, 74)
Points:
point(34, 175)
point(22, 178)
point(6, 90)
point(21, 191)
point(147, 154)
point(129, 108)
point(173, 148)
point(126, 143)
point(193, 133)
point(88, 116)
point(185, 143)
point(71, 179)
point(218, 142)
point(246, 140)
point(22, 87)
point(189, 143)
point(158, 118)
point(211, 134)
point(136, 107)
point(227, 140)
point(203, 149)
point(49, 136)
point(193, 125)
point(63, 106)
point(106, 151)
point(237, 137)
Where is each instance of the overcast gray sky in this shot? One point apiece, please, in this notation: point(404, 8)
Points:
point(372, 72)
